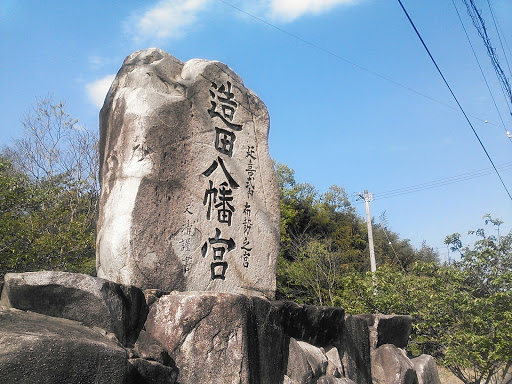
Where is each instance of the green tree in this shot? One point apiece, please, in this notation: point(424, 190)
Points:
point(49, 194)
point(322, 239)
point(44, 226)
point(484, 332)
point(462, 311)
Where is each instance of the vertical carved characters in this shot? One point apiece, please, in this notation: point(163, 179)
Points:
point(222, 112)
point(201, 212)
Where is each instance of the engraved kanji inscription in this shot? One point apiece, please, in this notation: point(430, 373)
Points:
point(219, 247)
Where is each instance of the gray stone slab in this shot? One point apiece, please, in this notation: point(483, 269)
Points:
point(390, 365)
point(389, 329)
point(39, 349)
point(220, 337)
point(354, 350)
point(320, 326)
point(120, 310)
point(189, 197)
point(426, 369)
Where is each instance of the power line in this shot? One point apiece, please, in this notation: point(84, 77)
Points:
point(503, 35)
point(440, 182)
point(386, 78)
point(479, 24)
point(338, 57)
point(479, 66)
point(457, 101)
point(499, 36)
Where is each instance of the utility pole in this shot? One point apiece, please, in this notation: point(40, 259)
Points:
point(367, 198)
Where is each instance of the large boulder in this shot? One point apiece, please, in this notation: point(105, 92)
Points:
point(308, 364)
point(334, 365)
point(118, 309)
point(316, 359)
point(298, 370)
point(220, 337)
point(38, 349)
point(390, 365)
point(189, 197)
point(426, 369)
point(317, 325)
point(148, 348)
point(354, 350)
point(389, 329)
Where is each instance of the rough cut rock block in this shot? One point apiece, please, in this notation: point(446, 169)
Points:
point(118, 309)
point(426, 369)
point(316, 358)
point(298, 369)
point(38, 349)
point(150, 372)
point(334, 366)
point(189, 197)
point(316, 325)
point(354, 350)
point(390, 365)
point(389, 329)
point(220, 337)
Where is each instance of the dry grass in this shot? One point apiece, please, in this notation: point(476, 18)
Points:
point(447, 377)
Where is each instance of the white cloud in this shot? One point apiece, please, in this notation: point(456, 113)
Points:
point(167, 19)
point(98, 62)
point(170, 19)
point(97, 90)
point(289, 10)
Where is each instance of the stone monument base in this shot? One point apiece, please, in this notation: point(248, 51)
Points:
point(73, 328)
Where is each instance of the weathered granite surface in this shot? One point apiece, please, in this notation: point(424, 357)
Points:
point(189, 197)
point(426, 369)
point(354, 350)
point(220, 337)
point(334, 365)
point(388, 329)
point(329, 379)
point(116, 308)
point(38, 349)
point(298, 370)
point(390, 365)
point(317, 325)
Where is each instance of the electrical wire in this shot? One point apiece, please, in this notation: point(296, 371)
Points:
point(384, 225)
point(479, 24)
point(440, 182)
point(355, 65)
point(455, 98)
point(499, 36)
point(504, 39)
point(481, 70)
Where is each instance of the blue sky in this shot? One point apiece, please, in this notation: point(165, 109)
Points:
point(353, 97)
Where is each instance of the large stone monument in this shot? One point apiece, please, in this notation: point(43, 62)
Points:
point(189, 197)
point(189, 202)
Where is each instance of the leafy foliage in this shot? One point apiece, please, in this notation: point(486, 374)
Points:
point(322, 239)
point(48, 195)
point(462, 311)
point(44, 225)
